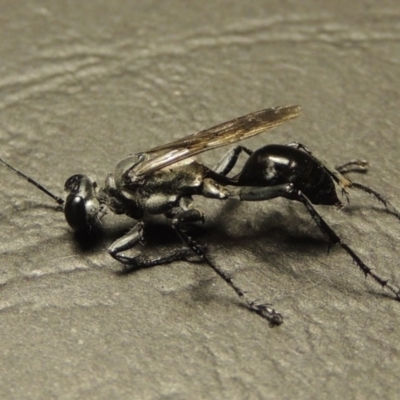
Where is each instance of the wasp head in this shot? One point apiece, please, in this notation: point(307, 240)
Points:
point(81, 205)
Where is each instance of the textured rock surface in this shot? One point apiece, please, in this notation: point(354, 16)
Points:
point(83, 85)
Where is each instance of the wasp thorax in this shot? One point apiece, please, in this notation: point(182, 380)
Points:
point(81, 205)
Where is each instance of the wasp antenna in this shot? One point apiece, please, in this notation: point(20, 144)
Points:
point(59, 200)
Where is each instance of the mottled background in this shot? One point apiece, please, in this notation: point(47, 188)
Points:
point(84, 84)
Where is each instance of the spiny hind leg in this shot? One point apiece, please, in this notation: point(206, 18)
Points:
point(390, 208)
point(335, 239)
point(289, 192)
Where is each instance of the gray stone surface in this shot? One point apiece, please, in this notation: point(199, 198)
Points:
point(83, 85)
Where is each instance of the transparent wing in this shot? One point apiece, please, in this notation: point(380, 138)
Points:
point(223, 134)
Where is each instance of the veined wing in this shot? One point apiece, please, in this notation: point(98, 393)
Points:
point(220, 135)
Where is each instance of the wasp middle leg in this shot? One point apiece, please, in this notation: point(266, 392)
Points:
point(190, 215)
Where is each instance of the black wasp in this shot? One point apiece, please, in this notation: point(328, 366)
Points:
point(164, 179)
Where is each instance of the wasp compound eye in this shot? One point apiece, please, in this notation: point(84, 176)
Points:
point(75, 213)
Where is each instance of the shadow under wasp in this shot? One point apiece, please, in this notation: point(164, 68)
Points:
point(164, 180)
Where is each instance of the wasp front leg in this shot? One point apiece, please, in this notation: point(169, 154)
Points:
point(130, 240)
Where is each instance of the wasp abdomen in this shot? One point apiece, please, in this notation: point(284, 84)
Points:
point(278, 164)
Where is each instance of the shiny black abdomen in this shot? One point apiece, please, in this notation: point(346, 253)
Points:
point(278, 164)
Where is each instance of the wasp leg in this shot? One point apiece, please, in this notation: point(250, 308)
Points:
point(229, 160)
point(261, 193)
point(183, 218)
point(287, 191)
point(390, 208)
point(214, 190)
point(192, 215)
point(133, 237)
point(344, 183)
point(335, 239)
point(360, 166)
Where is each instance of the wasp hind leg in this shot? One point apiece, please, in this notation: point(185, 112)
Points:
point(289, 192)
point(335, 239)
